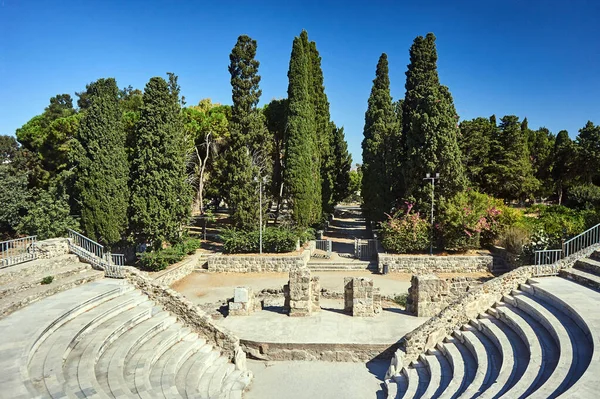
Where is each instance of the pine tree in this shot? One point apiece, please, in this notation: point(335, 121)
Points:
point(376, 187)
point(324, 133)
point(160, 195)
point(429, 126)
point(342, 163)
point(250, 146)
point(588, 160)
point(302, 177)
point(564, 157)
point(474, 142)
point(103, 170)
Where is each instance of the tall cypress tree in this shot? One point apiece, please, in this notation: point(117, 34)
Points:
point(474, 141)
point(250, 148)
point(342, 163)
point(103, 170)
point(564, 158)
point(302, 168)
point(160, 194)
point(376, 187)
point(429, 126)
point(588, 160)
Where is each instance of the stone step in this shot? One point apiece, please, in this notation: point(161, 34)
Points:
point(512, 318)
point(185, 348)
point(582, 277)
point(439, 375)
point(21, 299)
point(218, 379)
point(498, 335)
point(236, 383)
point(35, 268)
point(560, 374)
point(471, 340)
point(412, 378)
point(458, 363)
point(201, 362)
point(589, 265)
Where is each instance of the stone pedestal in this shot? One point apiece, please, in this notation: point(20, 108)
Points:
point(302, 293)
point(361, 299)
point(243, 303)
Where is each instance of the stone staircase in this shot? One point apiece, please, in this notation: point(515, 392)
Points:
point(321, 265)
point(541, 341)
point(106, 339)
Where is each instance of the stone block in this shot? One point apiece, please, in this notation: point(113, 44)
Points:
point(360, 297)
point(302, 293)
point(244, 302)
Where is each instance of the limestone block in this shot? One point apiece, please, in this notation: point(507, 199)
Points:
point(302, 293)
point(52, 248)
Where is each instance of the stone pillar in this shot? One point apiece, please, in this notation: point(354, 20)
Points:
point(243, 303)
point(427, 295)
point(360, 297)
point(300, 299)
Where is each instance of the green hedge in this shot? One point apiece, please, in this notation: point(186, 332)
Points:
point(162, 258)
point(275, 240)
point(405, 233)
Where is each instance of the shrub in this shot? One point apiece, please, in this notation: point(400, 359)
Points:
point(514, 239)
point(47, 280)
point(160, 259)
point(275, 240)
point(405, 232)
point(585, 196)
point(558, 222)
point(400, 299)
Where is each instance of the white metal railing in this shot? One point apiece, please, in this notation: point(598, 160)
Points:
point(365, 249)
point(94, 253)
point(581, 241)
point(17, 251)
point(325, 246)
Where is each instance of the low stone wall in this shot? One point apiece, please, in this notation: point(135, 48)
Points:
point(469, 306)
point(257, 263)
point(503, 259)
point(189, 314)
point(52, 248)
point(428, 294)
point(179, 271)
point(421, 264)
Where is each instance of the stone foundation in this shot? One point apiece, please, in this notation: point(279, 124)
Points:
point(244, 303)
point(302, 293)
point(51, 248)
point(422, 264)
point(257, 263)
point(361, 299)
point(429, 294)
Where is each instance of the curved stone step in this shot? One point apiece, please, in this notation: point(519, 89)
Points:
point(236, 384)
point(507, 314)
point(186, 348)
point(216, 384)
point(186, 368)
point(499, 337)
point(439, 376)
point(479, 352)
point(457, 361)
point(202, 362)
point(111, 366)
point(79, 367)
point(412, 379)
point(47, 362)
point(561, 372)
point(215, 369)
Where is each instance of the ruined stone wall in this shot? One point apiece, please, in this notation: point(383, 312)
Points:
point(302, 293)
point(48, 249)
point(469, 306)
point(429, 294)
point(179, 271)
point(257, 263)
point(361, 299)
point(421, 264)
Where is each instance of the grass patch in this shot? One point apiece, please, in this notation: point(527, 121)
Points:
point(47, 280)
point(401, 299)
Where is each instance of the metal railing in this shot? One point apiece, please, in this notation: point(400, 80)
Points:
point(581, 241)
point(325, 246)
point(94, 253)
point(365, 249)
point(13, 252)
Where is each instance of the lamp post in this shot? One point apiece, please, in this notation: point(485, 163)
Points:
point(432, 179)
point(260, 225)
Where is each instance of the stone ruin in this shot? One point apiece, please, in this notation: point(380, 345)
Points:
point(360, 297)
point(428, 294)
point(244, 303)
point(302, 293)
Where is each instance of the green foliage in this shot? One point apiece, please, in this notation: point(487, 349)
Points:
point(250, 146)
point(588, 159)
point(405, 232)
point(342, 162)
point(47, 215)
point(429, 126)
point(474, 142)
point(103, 167)
point(302, 177)
point(400, 299)
point(515, 238)
point(563, 167)
point(276, 118)
point(160, 259)
point(558, 222)
point(275, 240)
point(47, 280)
point(160, 194)
point(14, 193)
point(584, 196)
point(377, 169)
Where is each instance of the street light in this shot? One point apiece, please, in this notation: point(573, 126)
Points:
point(432, 179)
point(260, 225)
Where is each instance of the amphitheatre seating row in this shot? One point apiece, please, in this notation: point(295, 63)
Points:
point(538, 342)
point(106, 339)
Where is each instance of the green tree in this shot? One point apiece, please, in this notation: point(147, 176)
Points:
point(376, 188)
point(429, 126)
point(48, 214)
point(160, 194)
point(103, 168)
point(588, 160)
point(250, 147)
point(541, 147)
point(276, 120)
point(564, 158)
point(355, 180)
point(302, 177)
point(14, 194)
point(342, 163)
point(474, 142)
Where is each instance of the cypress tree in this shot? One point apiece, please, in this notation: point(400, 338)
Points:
point(161, 196)
point(588, 160)
point(103, 170)
point(342, 163)
point(302, 169)
point(564, 158)
point(474, 141)
point(429, 126)
point(250, 148)
point(376, 187)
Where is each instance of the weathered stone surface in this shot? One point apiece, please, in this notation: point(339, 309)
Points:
point(302, 293)
point(422, 264)
point(360, 298)
point(180, 270)
point(429, 294)
point(244, 302)
point(52, 248)
point(257, 263)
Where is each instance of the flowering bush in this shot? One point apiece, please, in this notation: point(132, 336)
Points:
point(405, 232)
point(469, 218)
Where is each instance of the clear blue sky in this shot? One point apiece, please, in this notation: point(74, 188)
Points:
point(532, 58)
